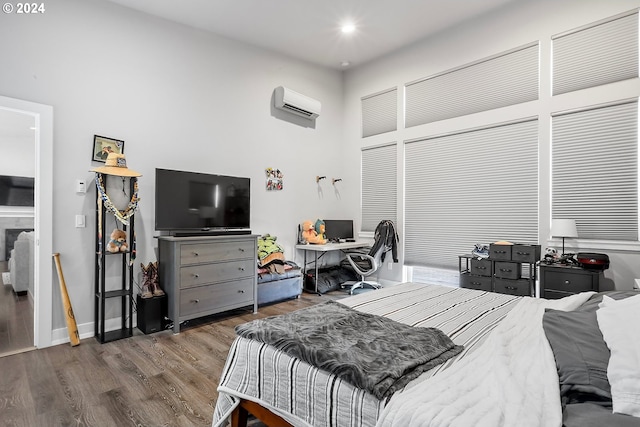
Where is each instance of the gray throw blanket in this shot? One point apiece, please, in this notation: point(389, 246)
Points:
point(371, 352)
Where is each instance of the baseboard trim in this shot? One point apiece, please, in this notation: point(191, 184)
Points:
point(86, 330)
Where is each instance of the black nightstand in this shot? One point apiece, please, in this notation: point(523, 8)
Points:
point(558, 280)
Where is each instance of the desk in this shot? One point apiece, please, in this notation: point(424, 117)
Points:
point(322, 249)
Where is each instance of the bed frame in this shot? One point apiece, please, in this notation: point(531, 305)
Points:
point(240, 415)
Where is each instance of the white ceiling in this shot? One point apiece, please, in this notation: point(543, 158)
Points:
point(310, 29)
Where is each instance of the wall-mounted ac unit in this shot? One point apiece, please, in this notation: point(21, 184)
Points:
point(296, 103)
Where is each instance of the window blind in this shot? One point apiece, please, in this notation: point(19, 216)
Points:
point(595, 171)
point(380, 113)
point(598, 54)
point(502, 80)
point(478, 186)
point(379, 185)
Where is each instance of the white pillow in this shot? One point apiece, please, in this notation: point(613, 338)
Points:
point(619, 322)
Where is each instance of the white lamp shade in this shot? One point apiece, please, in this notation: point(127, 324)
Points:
point(564, 228)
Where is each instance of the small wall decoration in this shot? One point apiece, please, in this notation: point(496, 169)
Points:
point(102, 146)
point(274, 179)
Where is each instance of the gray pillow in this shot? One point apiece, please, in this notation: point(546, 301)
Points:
point(592, 303)
point(589, 415)
point(581, 355)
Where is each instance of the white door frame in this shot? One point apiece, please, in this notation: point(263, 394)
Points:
point(43, 212)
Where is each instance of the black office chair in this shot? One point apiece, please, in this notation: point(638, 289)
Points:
point(365, 264)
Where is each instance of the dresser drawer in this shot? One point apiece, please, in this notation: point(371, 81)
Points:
point(198, 253)
point(196, 275)
point(508, 270)
point(481, 267)
point(566, 281)
point(470, 281)
point(526, 253)
point(512, 287)
point(500, 252)
point(215, 297)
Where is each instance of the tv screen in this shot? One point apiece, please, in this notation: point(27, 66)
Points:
point(200, 202)
point(16, 190)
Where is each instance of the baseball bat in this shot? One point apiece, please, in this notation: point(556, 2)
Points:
point(72, 327)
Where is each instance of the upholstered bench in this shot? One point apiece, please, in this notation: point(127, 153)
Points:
point(274, 287)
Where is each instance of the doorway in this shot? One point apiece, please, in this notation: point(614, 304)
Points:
point(39, 119)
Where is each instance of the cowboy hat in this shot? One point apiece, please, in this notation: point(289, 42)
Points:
point(116, 164)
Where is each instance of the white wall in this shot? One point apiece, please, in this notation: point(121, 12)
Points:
point(18, 154)
point(515, 25)
point(179, 98)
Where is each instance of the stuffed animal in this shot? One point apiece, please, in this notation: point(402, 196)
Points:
point(309, 234)
point(118, 242)
point(320, 228)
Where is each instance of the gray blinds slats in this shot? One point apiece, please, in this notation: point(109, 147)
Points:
point(600, 54)
point(507, 79)
point(474, 187)
point(379, 185)
point(380, 113)
point(595, 171)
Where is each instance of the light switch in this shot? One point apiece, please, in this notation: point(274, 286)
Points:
point(80, 221)
point(81, 186)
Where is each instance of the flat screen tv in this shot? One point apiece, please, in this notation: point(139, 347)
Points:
point(196, 203)
point(16, 190)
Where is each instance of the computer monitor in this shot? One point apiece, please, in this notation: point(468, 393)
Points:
point(335, 229)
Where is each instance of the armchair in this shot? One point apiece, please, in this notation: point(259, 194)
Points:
point(385, 240)
point(21, 263)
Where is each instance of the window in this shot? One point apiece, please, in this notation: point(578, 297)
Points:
point(600, 53)
point(380, 113)
point(595, 170)
point(472, 187)
point(379, 185)
point(499, 81)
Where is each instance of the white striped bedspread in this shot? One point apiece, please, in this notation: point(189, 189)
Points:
point(307, 396)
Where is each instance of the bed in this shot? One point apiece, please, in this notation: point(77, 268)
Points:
point(506, 374)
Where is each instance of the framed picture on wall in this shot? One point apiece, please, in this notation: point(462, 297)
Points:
point(102, 146)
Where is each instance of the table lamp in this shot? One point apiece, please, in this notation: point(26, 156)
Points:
point(563, 228)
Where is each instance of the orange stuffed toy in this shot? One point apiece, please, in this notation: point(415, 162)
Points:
point(309, 234)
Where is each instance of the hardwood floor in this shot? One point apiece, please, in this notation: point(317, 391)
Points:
point(16, 319)
point(160, 379)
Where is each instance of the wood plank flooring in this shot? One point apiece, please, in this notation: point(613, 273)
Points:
point(16, 319)
point(160, 379)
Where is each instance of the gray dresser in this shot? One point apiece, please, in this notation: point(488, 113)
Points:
point(510, 269)
point(558, 280)
point(205, 275)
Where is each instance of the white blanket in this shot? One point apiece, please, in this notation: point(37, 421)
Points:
point(511, 380)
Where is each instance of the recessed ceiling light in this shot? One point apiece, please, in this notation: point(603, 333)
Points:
point(345, 63)
point(348, 28)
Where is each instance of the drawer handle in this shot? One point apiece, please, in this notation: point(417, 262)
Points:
point(195, 253)
point(481, 268)
point(505, 270)
point(240, 291)
point(501, 252)
point(522, 253)
point(511, 288)
point(475, 283)
point(195, 301)
point(241, 249)
point(567, 282)
point(196, 275)
point(241, 268)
